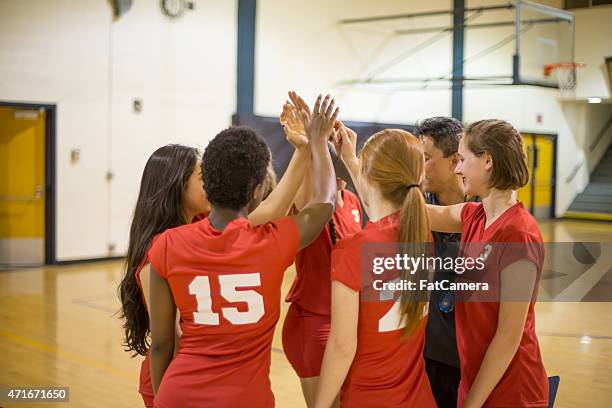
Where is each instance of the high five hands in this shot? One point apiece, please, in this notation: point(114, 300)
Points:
point(297, 116)
point(292, 120)
point(319, 125)
point(346, 143)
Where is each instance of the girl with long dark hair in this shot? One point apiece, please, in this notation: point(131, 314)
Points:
point(170, 195)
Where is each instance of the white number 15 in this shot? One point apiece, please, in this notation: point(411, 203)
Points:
point(200, 287)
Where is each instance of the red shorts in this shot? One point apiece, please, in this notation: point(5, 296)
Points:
point(305, 336)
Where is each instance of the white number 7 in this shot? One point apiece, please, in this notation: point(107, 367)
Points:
point(391, 321)
point(200, 287)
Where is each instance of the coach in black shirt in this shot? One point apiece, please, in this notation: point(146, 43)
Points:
point(440, 137)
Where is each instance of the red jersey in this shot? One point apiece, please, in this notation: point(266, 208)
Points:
point(311, 289)
point(525, 383)
point(388, 369)
point(226, 286)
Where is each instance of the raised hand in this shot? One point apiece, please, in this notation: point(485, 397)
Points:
point(347, 142)
point(335, 137)
point(320, 124)
point(293, 125)
point(299, 103)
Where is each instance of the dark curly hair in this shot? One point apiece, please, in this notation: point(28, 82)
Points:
point(233, 165)
point(444, 131)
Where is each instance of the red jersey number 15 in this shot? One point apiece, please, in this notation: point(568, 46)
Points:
point(200, 288)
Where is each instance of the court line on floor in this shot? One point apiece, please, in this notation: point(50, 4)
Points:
point(573, 335)
point(26, 341)
point(93, 306)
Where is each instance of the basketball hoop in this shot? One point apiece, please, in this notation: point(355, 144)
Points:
point(565, 73)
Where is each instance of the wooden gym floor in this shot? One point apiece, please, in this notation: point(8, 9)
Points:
point(57, 328)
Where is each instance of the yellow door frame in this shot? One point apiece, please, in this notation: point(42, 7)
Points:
point(50, 176)
point(553, 182)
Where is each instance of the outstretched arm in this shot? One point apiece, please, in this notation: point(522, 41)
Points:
point(445, 218)
point(280, 199)
point(339, 167)
point(348, 150)
point(304, 194)
point(278, 203)
point(313, 218)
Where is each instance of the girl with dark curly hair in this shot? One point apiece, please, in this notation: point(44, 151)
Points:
point(224, 275)
point(172, 194)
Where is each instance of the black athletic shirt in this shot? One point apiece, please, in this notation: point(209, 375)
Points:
point(440, 335)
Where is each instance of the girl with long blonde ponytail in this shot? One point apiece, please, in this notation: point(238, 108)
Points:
point(393, 160)
point(374, 355)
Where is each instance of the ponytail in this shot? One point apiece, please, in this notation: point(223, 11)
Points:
point(393, 161)
point(414, 235)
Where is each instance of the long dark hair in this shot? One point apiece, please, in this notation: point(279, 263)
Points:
point(159, 207)
point(333, 234)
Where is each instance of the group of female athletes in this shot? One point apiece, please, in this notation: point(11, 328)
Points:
point(211, 238)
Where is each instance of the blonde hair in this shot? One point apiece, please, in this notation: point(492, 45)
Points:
point(392, 160)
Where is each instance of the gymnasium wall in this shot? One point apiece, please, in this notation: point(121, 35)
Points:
point(593, 44)
point(300, 46)
point(314, 53)
point(73, 54)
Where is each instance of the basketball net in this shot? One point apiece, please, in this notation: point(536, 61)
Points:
point(565, 73)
